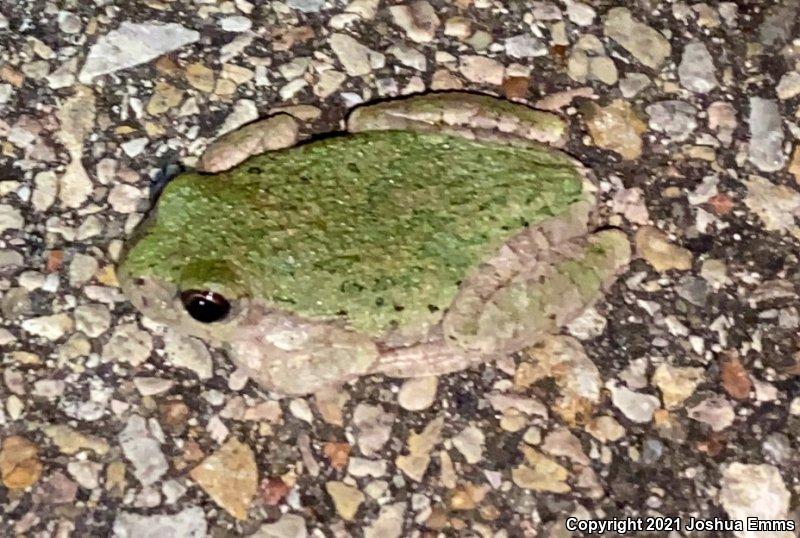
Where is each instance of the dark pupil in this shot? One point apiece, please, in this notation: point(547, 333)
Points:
point(205, 306)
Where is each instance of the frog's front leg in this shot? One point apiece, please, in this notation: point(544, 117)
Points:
point(293, 357)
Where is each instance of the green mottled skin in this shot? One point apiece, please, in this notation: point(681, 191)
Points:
point(378, 227)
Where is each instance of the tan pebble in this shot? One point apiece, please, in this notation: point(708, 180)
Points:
point(71, 441)
point(330, 404)
point(225, 87)
point(654, 246)
point(482, 70)
point(165, 96)
point(513, 420)
point(794, 166)
point(605, 428)
point(418, 393)
point(200, 77)
point(276, 132)
point(418, 19)
point(676, 383)
point(346, 499)
point(230, 477)
point(115, 478)
point(19, 463)
point(540, 473)
point(467, 497)
point(616, 127)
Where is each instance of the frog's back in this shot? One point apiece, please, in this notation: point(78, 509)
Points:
point(378, 227)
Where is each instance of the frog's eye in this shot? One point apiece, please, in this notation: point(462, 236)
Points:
point(205, 306)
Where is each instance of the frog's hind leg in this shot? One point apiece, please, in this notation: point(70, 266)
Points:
point(533, 289)
point(529, 289)
point(470, 115)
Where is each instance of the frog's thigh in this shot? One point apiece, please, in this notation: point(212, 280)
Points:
point(554, 287)
point(298, 361)
point(464, 114)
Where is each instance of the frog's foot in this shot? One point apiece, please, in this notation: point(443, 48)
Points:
point(473, 116)
point(532, 289)
point(276, 132)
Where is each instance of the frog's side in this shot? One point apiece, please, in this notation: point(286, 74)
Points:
point(321, 295)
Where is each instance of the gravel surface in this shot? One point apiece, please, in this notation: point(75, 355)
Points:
point(678, 395)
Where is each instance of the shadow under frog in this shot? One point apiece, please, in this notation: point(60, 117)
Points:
point(439, 232)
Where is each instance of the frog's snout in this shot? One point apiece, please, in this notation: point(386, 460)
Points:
point(152, 297)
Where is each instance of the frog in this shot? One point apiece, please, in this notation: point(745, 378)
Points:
point(434, 233)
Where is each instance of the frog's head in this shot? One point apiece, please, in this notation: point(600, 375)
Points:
point(178, 270)
point(206, 300)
